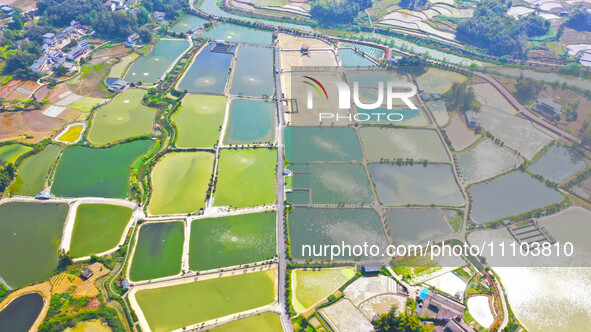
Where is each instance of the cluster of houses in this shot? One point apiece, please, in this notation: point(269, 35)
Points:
point(53, 57)
point(443, 309)
point(6, 10)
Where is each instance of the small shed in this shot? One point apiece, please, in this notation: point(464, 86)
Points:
point(372, 267)
point(86, 273)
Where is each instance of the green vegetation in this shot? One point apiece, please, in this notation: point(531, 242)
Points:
point(106, 170)
point(461, 97)
point(173, 307)
point(199, 120)
point(311, 286)
point(579, 19)
point(180, 182)
point(229, 241)
point(331, 12)
point(395, 322)
point(246, 177)
point(98, 228)
point(265, 322)
point(6, 176)
point(158, 252)
point(11, 152)
point(72, 134)
point(414, 266)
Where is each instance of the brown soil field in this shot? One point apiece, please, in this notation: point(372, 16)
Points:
point(7, 89)
point(18, 124)
point(566, 96)
point(116, 51)
point(570, 36)
point(42, 93)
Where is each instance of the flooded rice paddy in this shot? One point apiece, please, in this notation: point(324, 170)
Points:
point(34, 171)
point(123, 118)
point(486, 160)
point(85, 171)
point(31, 233)
point(158, 251)
point(199, 120)
point(151, 67)
point(230, 241)
point(180, 182)
point(98, 228)
point(250, 121)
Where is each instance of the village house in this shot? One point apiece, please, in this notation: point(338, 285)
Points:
point(372, 267)
point(86, 273)
point(159, 16)
point(7, 10)
point(438, 306)
point(117, 86)
point(49, 38)
point(132, 39)
point(115, 5)
point(472, 119)
point(77, 50)
point(39, 64)
point(548, 108)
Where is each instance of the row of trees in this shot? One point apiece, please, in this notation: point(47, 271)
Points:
point(460, 97)
point(492, 29)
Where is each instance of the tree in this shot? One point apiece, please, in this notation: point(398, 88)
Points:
point(579, 19)
point(332, 12)
point(394, 322)
point(585, 134)
point(460, 97)
point(535, 25)
point(145, 35)
point(60, 71)
point(527, 89)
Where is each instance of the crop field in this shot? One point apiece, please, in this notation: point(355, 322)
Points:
point(307, 144)
point(486, 160)
point(199, 120)
point(411, 226)
point(417, 144)
point(151, 67)
point(98, 228)
point(265, 322)
point(309, 226)
point(338, 183)
point(72, 135)
point(123, 118)
point(180, 182)
point(458, 133)
point(486, 94)
point(10, 153)
point(106, 171)
point(158, 252)
point(172, 307)
point(439, 111)
point(90, 81)
point(29, 237)
point(34, 171)
point(416, 185)
point(246, 177)
point(309, 286)
point(251, 121)
point(415, 266)
point(230, 241)
point(439, 81)
point(32, 123)
point(86, 104)
point(118, 69)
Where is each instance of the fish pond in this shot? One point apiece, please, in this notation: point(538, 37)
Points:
point(308, 226)
point(412, 226)
point(85, 171)
point(307, 144)
point(265, 322)
point(98, 228)
point(238, 34)
point(208, 73)
point(558, 164)
point(34, 171)
point(246, 177)
point(251, 121)
point(122, 118)
point(151, 67)
point(338, 183)
point(230, 241)
point(180, 182)
point(394, 143)
point(173, 307)
point(21, 313)
point(158, 252)
point(509, 195)
point(350, 58)
point(31, 233)
point(187, 22)
point(309, 286)
point(9, 153)
point(199, 120)
point(416, 185)
point(253, 78)
point(486, 160)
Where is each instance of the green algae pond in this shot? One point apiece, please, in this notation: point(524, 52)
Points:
point(199, 120)
point(208, 73)
point(21, 313)
point(253, 78)
point(98, 228)
point(508, 195)
point(173, 307)
point(417, 144)
point(238, 34)
point(251, 121)
point(85, 171)
point(9, 153)
point(316, 227)
point(309, 286)
point(307, 144)
point(180, 182)
point(34, 171)
point(265, 322)
point(93, 325)
point(338, 183)
point(246, 177)
point(159, 251)
point(187, 22)
point(122, 118)
point(412, 226)
point(416, 184)
point(151, 67)
point(31, 233)
point(230, 241)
